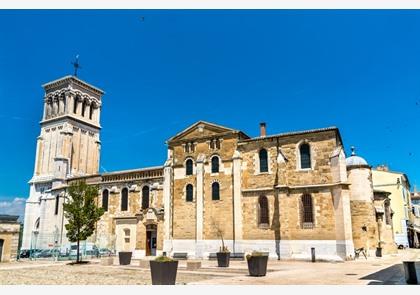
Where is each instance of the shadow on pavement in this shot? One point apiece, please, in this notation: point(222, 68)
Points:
point(393, 275)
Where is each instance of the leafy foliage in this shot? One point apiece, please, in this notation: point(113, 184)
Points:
point(164, 259)
point(81, 212)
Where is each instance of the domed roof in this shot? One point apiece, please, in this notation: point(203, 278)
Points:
point(354, 160)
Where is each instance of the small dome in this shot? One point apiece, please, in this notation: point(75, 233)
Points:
point(354, 160)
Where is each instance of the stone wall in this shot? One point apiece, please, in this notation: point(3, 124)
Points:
point(9, 233)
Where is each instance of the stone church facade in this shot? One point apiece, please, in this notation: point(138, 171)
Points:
point(282, 194)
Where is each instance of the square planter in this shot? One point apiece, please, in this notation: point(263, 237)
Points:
point(223, 259)
point(378, 252)
point(163, 273)
point(125, 257)
point(257, 265)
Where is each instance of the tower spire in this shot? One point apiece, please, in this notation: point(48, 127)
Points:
point(76, 65)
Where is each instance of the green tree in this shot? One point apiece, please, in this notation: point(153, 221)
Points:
point(81, 212)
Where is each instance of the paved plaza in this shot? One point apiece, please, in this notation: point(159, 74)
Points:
point(386, 270)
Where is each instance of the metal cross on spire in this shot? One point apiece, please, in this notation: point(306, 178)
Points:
point(76, 65)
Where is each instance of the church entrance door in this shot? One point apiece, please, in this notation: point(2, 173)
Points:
point(151, 239)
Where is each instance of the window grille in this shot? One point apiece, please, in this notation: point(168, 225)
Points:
point(307, 211)
point(263, 160)
point(263, 210)
point(124, 199)
point(145, 198)
point(215, 164)
point(105, 195)
point(189, 193)
point(305, 156)
point(215, 191)
point(189, 167)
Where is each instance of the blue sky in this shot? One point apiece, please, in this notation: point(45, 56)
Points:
point(163, 70)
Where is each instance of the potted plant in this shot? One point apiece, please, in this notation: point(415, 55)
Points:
point(223, 256)
point(257, 264)
point(125, 257)
point(163, 270)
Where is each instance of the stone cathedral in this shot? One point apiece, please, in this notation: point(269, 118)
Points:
point(282, 194)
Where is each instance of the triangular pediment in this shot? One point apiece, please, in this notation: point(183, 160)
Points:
point(201, 129)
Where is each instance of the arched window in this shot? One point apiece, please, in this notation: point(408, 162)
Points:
point(36, 226)
point(215, 191)
point(189, 167)
point(83, 108)
point(305, 156)
point(189, 190)
point(145, 197)
point(263, 160)
point(124, 199)
point(57, 202)
point(307, 211)
point(263, 210)
point(76, 99)
point(215, 164)
point(105, 195)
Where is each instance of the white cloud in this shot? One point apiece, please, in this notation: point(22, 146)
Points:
point(13, 207)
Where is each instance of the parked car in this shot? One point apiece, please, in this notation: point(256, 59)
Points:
point(47, 253)
point(25, 253)
point(105, 252)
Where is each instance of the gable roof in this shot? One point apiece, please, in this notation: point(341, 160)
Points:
point(216, 127)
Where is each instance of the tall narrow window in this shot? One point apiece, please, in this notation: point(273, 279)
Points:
point(388, 218)
point(263, 210)
point(83, 108)
point(124, 199)
point(189, 167)
point(263, 160)
point(105, 195)
point(307, 211)
point(145, 197)
point(76, 99)
point(57, 202)
point(189, 193)
point(215, 191)
point(305, 156)
point(215, 164)
point(91, 112)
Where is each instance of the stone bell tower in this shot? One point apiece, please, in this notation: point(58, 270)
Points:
point(68, 146)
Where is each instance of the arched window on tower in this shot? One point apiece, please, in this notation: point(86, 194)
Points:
point(263, 160)
point(263, 211)
point(215, 164)
point(83, 108)
point(189, 167)
point(57, 203)
point(215, 191)
point(145, 197)
point(307, 211)
point(91, 112)
point(105, 195)
point(124, 199)
point(305, 156)
point(189, 191)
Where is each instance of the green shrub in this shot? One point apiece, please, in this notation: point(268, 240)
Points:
point(164, 259)
point(255, 253)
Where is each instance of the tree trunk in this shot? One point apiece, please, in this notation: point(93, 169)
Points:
point(78, 243)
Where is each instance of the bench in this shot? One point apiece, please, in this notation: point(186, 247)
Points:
point(180, 255)
point(233, 256)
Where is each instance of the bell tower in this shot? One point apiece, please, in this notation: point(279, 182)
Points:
point(68, 146)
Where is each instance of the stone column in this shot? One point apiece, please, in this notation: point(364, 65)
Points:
point(237, 206)
point(70, 103)
point(61, 105)
point(87, 109)
point(200, 200)
point(78, 102)
point(49, 108)
point(167, 180)
point(98, 114)
point(343, 226)
point(55, 106)
point(37, 155)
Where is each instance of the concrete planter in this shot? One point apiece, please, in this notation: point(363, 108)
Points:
point(163, 273)
point(107, 261)
point(257, 265)
point(125, 257)
point(378, 252)
point(223, 259)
